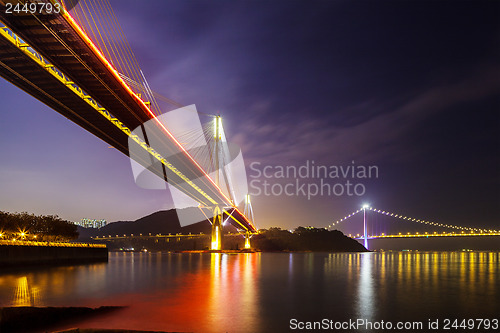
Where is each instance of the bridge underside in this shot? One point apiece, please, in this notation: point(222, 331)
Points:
point(28, 75)
point(60, 42)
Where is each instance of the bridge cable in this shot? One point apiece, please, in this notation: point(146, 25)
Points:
point(449, 226)
point(344, 218)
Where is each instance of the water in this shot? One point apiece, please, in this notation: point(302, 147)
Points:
point(262, 292)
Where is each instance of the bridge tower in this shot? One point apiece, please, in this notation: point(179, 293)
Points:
point(216, 243)
point(365, 230)
point(248, 211)
point(216, 229)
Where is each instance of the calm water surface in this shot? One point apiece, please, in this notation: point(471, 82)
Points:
point(261, 292)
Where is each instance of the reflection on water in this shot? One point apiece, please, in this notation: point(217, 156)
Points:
point(365, 293)
point(26, 294)
point(262, 292)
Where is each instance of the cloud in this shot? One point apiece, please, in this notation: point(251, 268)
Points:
point(277, 139)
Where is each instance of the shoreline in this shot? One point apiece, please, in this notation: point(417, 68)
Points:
point(19, 254)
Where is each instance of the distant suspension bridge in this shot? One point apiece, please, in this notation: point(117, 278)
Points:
point(428, 228)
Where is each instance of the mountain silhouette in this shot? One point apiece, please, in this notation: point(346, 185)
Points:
point(161, 222)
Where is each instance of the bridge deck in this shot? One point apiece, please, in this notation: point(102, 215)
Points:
point(27, 74)
point(60, 42)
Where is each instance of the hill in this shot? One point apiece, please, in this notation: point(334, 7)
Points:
point(162, 222)
point(305, 239)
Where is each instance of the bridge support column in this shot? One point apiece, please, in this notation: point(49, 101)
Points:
point(365, 229)
point(247, 239)
point(216, 230)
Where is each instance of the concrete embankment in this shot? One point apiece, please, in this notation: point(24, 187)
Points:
point(14, 254)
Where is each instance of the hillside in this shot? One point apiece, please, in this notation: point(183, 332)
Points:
point(162, 222)
point(306, 239)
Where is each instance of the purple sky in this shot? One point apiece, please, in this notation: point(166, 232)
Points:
point(411, 87)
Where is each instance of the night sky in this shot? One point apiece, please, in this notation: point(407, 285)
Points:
point(412, 87)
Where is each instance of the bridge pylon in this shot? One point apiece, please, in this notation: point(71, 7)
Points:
point(365, 229)
point(248, 235)
point(216, 243)
point(248, 211)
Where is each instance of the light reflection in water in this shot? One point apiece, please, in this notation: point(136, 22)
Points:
point(197, 296)
point(365, 288)
point(217, 290)
point(26, 295)
point(260, 292)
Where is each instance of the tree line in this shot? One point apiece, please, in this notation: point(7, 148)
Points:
point(25, 226)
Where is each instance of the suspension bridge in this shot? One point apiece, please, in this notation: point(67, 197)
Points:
point(394, 224)
point(80, 64)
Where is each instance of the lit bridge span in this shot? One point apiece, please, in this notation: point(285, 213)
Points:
point(51, 56)
point(427, 228)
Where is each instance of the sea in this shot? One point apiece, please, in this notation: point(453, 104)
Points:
point(272, 292)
